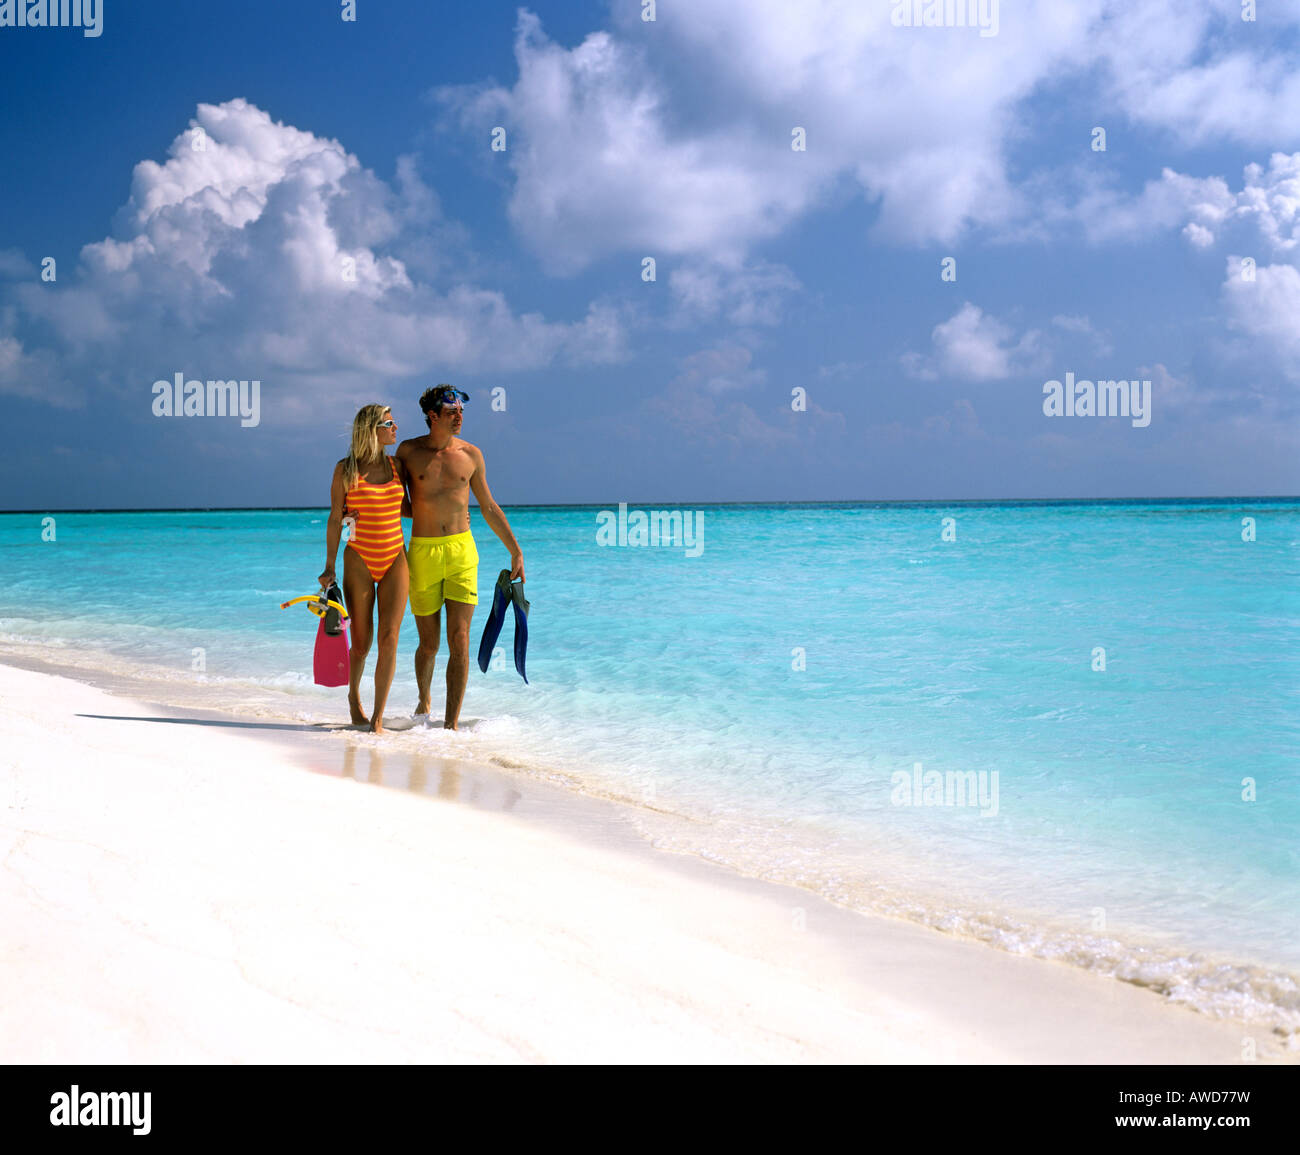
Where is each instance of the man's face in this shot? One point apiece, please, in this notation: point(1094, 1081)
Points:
point(447, 419)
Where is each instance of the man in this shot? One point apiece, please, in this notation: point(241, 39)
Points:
point(440, 471)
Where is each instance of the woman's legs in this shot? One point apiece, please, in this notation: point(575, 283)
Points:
point(392, 591)
point(359, 594)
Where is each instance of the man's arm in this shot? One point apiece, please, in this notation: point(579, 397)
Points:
point(492, 514)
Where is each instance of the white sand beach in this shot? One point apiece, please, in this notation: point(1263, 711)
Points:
point(195, 893)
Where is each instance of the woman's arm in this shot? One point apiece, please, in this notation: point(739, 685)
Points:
point(334, 526)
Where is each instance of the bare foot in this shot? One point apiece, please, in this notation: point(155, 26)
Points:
point(449, 725)
point(377, 726)
point(423, 707)
point(354, 705)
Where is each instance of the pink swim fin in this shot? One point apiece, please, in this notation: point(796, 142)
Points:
point(330, 663)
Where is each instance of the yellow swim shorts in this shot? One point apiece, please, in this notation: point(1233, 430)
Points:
point(442, 569)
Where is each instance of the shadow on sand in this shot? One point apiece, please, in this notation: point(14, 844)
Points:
point(310, 727)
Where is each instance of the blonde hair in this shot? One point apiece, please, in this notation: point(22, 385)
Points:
point(365, 442)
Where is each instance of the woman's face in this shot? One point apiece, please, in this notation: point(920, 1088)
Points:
point(387, 433)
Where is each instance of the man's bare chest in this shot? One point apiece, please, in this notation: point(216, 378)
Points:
point(435, 472)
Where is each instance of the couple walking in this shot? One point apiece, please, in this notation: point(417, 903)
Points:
point(429, 479)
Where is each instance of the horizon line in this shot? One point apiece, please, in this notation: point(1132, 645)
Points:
point(705, 504)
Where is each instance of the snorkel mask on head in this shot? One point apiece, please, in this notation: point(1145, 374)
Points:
point(435, 400)
point(445, 395)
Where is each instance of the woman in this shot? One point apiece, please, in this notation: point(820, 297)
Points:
point(372, 487)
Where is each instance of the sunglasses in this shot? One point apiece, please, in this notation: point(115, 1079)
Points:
point(388, 424)
point(450, 397)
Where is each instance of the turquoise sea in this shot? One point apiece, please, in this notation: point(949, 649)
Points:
point(1069, 729)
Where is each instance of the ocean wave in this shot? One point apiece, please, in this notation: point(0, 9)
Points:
point(1202, 981)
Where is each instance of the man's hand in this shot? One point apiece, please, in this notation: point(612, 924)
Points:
point(516, 567)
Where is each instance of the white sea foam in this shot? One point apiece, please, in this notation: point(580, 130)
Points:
point(887, 885)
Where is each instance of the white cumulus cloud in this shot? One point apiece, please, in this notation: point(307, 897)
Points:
point(674, 138)
point(973, 345)
point(1266, 309)
point(258, 250)
point(1203, 207)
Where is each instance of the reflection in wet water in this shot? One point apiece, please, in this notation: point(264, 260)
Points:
point(373, 763)
point(419, 776)
point(435, 777)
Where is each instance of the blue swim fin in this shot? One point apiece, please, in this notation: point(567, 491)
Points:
point(521, 627)
point(496, 619)
point(506, 593)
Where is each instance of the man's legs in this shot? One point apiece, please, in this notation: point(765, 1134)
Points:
point(459, 615)
point(428, 626)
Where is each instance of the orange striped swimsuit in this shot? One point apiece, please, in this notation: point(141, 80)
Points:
point(377, 533)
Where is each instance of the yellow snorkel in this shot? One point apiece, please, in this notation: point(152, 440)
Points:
point(330, 659)
point(318, 604)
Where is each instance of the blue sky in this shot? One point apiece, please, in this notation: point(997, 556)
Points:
point(369, 142)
